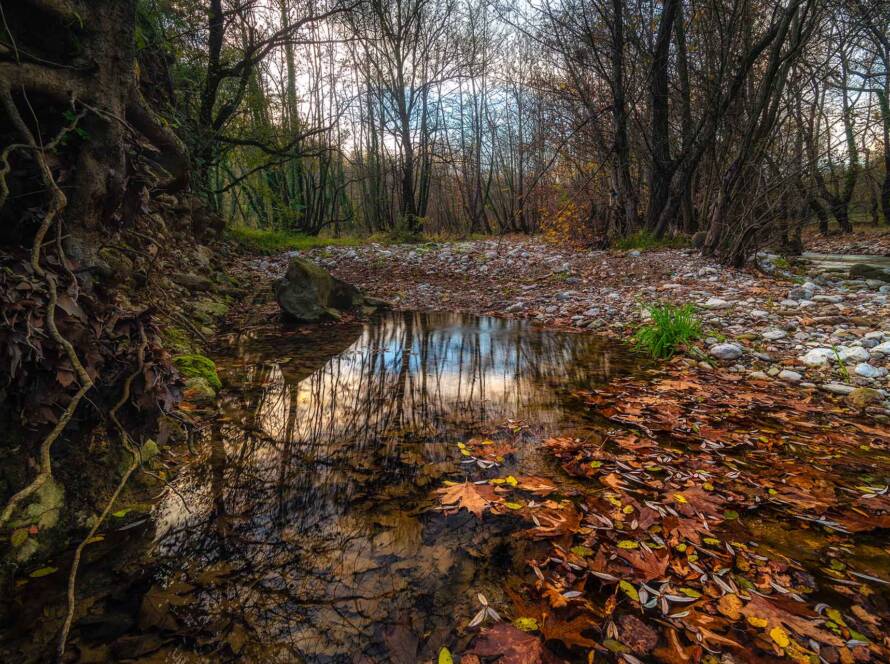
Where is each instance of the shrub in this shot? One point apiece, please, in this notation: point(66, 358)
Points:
point(669, 328)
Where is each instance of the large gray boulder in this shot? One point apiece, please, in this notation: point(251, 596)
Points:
point(308, 294)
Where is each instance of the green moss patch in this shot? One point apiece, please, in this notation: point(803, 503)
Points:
point(198, 366)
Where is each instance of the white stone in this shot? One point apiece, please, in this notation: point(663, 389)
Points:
point(866, 370)
point(726, 351)
point(883, 348)
point(831, 299)
point(774, 334)
point(790, 376)
point(716, 303)
point(817, 357)
point(853, 354)
point(838, 388)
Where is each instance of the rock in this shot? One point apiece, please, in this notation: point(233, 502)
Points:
point(513, 308)
point(862, 397)
point(307, 293)
point(817, 357)
point(866, 271)
point(634, 253)
point(198, 367)
point(198, 390)
point(866, 370)
point(758, 375)
point(837, 388)
point(883, 348)
point(790, 376)
point(726, 351)
point(830, 299)
point(716, 303)
point(774, 334)
point(191, 281)
point(853, 354)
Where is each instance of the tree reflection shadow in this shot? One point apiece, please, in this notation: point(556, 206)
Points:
point(307, 534)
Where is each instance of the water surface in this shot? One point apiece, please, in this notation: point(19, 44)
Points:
point(306, 531)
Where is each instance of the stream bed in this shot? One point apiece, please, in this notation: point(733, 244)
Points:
point(305, 531)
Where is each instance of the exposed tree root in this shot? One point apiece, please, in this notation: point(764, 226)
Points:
point(57, 203)
point(134, 464)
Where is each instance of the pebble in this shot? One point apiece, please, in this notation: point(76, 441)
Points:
point(818, 357)
point(726, 351)
point(837, 388)
point(866, 370)
point(790, 376)
point(716, 303)
point(774, 334)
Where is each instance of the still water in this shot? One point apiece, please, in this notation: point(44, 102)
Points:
point(305, 531)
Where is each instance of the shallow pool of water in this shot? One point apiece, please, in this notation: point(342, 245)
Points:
point(305, 531)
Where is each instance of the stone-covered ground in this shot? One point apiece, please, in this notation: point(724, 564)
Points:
point(779, 324)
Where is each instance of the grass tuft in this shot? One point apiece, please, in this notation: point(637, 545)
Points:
point(276, 241)
point(669, 328)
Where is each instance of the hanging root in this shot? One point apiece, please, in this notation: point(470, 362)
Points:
point(56, 205)
point(134, 464)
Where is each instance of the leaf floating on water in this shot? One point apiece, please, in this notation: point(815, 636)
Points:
point(472, 497)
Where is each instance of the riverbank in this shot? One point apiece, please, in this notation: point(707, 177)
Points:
point(784, 325)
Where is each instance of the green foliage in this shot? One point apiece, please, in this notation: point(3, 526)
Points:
point(841, 365)
point(669, 328)
point(644, 240)
point(198, 366)
point(276, 241)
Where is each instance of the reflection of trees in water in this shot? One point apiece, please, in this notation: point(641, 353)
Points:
point(304, 504)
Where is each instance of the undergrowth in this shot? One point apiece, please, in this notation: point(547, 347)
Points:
point(268, 241)
point(669, 328)
point(644, 240)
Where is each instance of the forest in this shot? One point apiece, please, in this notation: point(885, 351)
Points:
point(436, 331)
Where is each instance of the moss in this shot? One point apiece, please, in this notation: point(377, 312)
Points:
point(177, 340)
point(198, 366)
point(44, 510)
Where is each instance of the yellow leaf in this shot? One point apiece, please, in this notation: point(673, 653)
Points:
point(680, 498)
point(780, 636)
point(757, 622)
point(629, 590)
point(730, 606)
point(512, 481)
point(513, 506)
point(445, 656)
point(526, 624)
point(628, 544)
point(43, 571)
